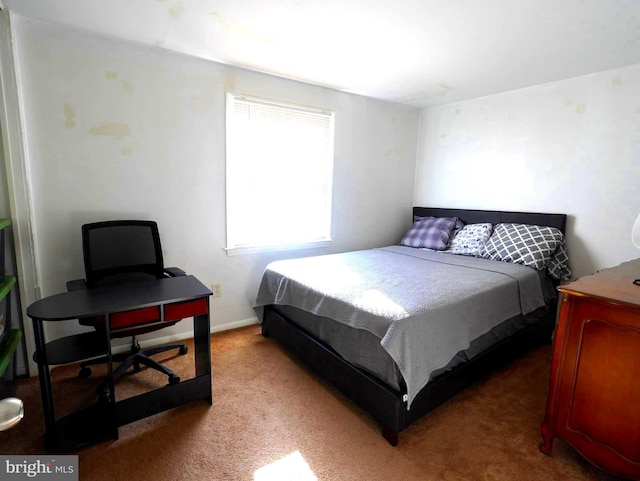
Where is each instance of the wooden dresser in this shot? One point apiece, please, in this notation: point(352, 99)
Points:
point(594, 392)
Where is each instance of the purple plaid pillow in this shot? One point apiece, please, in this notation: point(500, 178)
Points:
point(430, 232)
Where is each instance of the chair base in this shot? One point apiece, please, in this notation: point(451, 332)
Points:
point(133, 358)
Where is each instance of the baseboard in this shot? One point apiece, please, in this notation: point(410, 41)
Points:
point(234, 325)
point(157, 341)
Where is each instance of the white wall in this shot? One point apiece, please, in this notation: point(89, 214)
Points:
point(115, 130)
point(569, 147)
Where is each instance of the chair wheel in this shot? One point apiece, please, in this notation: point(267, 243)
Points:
point(104, 397)
point(84, 372)
point(173, 379)
point(183, 350)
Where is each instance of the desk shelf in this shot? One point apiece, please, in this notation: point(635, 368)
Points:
point(73, 349)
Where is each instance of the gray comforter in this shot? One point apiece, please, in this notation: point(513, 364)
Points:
point(424, 306)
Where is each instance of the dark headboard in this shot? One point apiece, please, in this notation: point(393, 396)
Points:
point(472, 216)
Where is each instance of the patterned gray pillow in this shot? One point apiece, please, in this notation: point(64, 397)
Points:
point(470, 240)
point(558, 266)
point(529, 245)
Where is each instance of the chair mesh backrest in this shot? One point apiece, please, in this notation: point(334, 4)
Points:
point(121, 251)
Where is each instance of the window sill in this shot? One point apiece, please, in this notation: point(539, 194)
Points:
point(247, 250)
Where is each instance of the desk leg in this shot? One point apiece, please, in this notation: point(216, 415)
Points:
point(202, 347)
point(45, 383)
point(112, 388)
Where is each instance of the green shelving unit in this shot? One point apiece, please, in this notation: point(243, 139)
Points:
point(9, 345)
point(10, 336)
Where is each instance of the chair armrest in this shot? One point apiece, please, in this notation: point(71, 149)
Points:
point(175, 272)
point(76, 284)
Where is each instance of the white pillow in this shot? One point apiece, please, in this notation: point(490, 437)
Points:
point(470, 240)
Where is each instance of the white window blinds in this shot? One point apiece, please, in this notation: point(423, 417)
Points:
point(279, 174)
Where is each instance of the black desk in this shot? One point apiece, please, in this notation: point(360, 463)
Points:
point(101, 420)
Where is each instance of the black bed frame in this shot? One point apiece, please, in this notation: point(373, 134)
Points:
point(385, 404)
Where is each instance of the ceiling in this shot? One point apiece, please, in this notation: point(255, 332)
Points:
point(418, 52)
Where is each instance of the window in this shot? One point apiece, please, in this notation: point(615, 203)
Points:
point(279, 175)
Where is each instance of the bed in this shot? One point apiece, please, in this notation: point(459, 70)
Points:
point(359, 319)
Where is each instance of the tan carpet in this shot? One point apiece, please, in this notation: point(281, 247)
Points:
point(273, 420)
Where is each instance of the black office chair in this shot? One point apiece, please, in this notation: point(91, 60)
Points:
point(120, 252)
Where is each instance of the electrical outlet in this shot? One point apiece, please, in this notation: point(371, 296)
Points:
point(217, 289)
